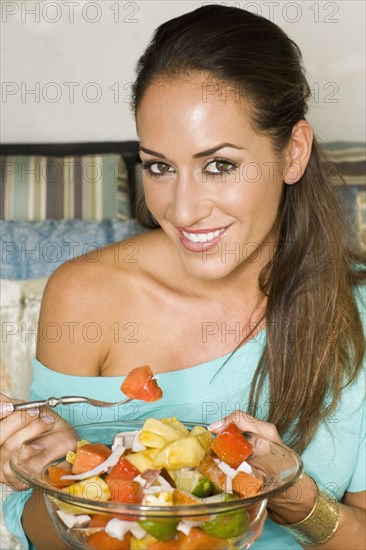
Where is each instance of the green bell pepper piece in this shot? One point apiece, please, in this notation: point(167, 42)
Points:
point(227, 524)
point(203, 488)
point(161, 529)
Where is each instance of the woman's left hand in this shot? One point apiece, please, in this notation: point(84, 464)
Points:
point(298, 500)
point(248, 423)
point(295, 504)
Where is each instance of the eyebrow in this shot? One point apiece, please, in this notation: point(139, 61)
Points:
point(196, 155)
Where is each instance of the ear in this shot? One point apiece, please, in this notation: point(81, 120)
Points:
point(298, 152)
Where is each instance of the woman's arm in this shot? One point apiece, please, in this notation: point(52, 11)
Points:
point(38, 525)
point(72, 302)
point(351, 530)
point(66, 303)
point(288, 508)
point(15, 428)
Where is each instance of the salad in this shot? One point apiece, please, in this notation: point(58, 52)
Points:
point(140, 383)
point(164, 464)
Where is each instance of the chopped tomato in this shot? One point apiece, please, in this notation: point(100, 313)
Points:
point(123, 470)
point(198, 540)
point(125, 490)
point(231, 446)
point(172, 544)
point(181, 498)
point(141, 384)
point(246, 485)
point(102, 541)
point(99, 520)
point(89, 456)
point(54, 474)
point(209, 468)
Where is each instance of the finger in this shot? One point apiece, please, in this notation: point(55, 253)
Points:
point(240, 418)
point(21, 419)
point(21, 426)
point(243, 420)
point(14, 423)
point(6, 409)
point(247, 423)
point(37, 452)
point(6, 405)
point(10, 479)
point(15, 430)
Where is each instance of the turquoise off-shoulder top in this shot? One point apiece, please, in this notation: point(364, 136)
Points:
point(205, 393)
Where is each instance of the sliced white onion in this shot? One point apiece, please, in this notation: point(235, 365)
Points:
point(229, 485)
point(72, 520)
point(217, 460)
point(127, 439)
point(163, 482)
point(137, 531)
point(185, 526)
point(147, 478)
point(101, 468)
point(244, 467)
point(86, 531)
point(214, 498)
point(118, 440)
point(230, 472)
point(136, 445)
point(140, 480)
point(118, 529)
point(154, 489)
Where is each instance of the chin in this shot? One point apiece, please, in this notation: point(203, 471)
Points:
point(210, 270)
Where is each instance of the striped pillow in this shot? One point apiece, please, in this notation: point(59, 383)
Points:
point(350, 158)
point(84, 187)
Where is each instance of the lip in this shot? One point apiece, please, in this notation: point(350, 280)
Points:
point(200, 247)
point(200, 231)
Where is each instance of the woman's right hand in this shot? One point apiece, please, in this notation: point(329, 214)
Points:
point(17, 427)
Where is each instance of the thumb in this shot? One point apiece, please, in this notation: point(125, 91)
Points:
point(6, 405)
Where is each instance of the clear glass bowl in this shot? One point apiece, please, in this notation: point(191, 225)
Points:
point(277, 466)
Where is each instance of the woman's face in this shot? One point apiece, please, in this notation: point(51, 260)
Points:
point(213, 184)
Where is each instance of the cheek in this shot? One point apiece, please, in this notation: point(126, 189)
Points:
point(255, 198)
point(155, 197)
point(263, 185)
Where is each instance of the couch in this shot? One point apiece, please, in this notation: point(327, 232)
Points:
point(57, 201)
point(61, 200)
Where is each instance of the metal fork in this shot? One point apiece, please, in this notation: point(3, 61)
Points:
point(67, 400)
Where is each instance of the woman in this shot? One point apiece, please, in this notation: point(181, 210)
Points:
point(247, 288)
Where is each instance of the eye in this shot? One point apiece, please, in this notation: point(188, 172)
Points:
point(219, 167)
point(157, 169)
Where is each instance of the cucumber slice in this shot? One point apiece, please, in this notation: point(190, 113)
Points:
point(203, 488)
point(192, 481)
point(161, 529)
point(227, 525)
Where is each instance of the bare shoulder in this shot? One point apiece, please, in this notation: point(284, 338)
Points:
point(85, 297)
point(88, 279)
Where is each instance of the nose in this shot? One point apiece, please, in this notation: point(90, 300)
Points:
point(189, 203)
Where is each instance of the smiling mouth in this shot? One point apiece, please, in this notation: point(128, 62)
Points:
point(203, 237)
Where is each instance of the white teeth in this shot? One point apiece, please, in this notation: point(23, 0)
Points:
point(203, 237)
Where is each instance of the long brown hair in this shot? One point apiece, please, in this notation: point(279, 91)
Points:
point(315, 341)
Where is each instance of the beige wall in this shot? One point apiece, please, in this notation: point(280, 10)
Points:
point(67, 65)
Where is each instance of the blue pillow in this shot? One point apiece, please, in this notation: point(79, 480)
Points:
point(125, 229)
point(31, 250)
